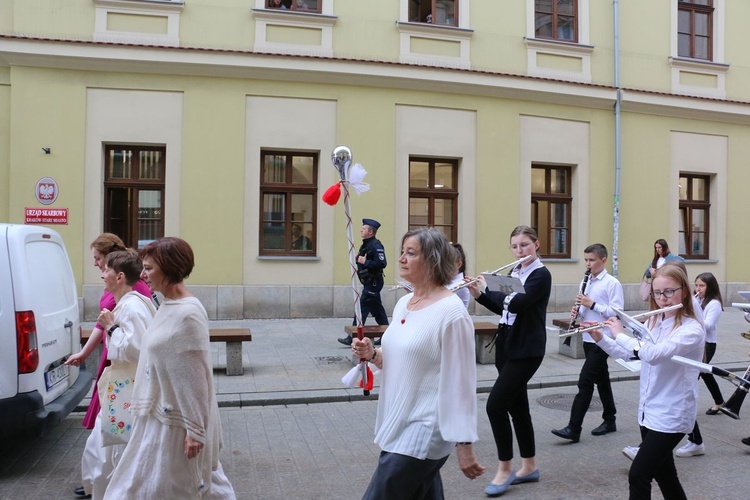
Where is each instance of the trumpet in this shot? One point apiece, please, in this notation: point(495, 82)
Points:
point(476, 279)
point(637, 316)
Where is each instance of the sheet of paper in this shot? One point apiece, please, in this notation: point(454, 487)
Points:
point(634, 365)
point(639, 329)
point(503, 283)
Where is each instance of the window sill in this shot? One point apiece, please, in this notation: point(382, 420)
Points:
point(559, 45)
point(154, 5)
point(289, 257)
point(451, 32)
point(295, 17)
point(690, 260)
point(700, 64)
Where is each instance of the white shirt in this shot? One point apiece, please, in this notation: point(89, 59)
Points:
point(606, 291)
point(462, 293)
point(669, 390)
point(521, 273)
point(133, 313)
point(427, 399)
point(711, 319)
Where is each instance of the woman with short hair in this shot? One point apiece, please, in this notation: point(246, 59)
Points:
point(427, 404)
point(174, 448)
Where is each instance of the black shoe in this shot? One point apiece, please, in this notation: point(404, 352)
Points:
point(567, 433)
point(712, 411)
point(605, 428)
point(346, 340)
point(376, 341)
point(81, 492)
point(746, 441)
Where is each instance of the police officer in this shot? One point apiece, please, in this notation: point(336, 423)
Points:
point(370, 264)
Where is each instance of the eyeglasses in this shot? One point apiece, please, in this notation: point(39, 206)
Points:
point(668, 293)
point(522, 246)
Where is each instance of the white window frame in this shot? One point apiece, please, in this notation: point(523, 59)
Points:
point(161, 8)
point(462, 33)
point(581, 50)
point(716, 68)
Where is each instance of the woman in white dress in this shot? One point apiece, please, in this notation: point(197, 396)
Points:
point(124, 329)
point(174, 448)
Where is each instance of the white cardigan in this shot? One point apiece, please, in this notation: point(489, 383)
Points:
point(427, 399)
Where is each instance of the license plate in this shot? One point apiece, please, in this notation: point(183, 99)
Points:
point(55, 376)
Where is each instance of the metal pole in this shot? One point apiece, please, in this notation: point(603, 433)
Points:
point(618, 102)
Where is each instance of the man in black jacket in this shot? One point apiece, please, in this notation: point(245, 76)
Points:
point(370, 264)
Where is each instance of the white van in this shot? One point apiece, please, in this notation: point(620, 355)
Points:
point(39, 329)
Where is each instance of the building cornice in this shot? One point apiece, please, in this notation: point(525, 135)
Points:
point(20, 50)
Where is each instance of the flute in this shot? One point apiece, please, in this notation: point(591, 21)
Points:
point(637, 316)
point(402, 284)
point(476, 279)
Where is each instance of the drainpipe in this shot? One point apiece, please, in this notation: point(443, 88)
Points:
point(618, 101)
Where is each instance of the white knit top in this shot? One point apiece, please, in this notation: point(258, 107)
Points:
point(427, 397)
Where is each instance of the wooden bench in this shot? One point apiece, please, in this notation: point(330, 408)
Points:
point(575, 348)
point(484, 330)
point(232, 337)
point(369, 331)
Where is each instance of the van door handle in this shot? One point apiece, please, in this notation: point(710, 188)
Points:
point(69, 324)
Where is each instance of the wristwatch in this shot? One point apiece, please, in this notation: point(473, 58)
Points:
point(112, 328)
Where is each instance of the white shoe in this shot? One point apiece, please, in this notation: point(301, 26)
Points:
point(690, 450)
point(630, 451)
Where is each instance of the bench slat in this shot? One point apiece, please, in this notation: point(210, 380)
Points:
point(232, 338)
point(215, 335)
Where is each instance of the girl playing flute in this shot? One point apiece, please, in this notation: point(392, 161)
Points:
point(668, 390)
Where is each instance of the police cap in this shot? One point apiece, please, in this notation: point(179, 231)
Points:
point(371, 222)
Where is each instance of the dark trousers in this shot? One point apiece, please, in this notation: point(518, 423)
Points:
point(655, 461)
point(369, 303)
point(594, 371)
point(509, 399)
point(400, 477)
point(709, 379)
point(713, 388)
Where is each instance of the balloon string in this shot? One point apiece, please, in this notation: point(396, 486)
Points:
point(352, 253)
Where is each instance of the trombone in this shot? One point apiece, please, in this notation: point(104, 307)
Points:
point(499, 269)
point(647, 314)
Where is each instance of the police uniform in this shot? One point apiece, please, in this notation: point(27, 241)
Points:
point(371, 276)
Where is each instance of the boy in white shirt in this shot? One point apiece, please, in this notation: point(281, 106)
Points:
point(603, 294)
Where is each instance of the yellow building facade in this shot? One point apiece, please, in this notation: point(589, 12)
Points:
point(215, 121)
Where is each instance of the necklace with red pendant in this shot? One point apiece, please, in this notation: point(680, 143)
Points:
point(414, 304)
